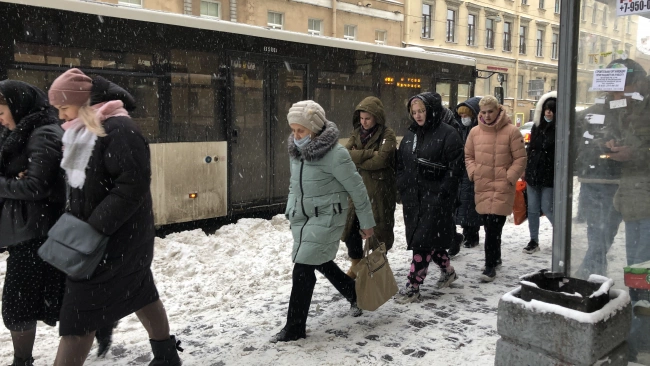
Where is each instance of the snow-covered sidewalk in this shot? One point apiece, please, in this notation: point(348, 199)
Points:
point(227, 293)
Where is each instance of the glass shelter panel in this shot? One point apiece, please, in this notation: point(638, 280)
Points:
point(610, 151)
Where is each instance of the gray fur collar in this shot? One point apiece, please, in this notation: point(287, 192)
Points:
point(319, 146)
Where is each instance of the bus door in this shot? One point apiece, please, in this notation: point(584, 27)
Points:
point(448, 91)
point(262, 93)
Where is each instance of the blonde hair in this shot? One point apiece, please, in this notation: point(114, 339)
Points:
point(489, 101)
point(89, 117)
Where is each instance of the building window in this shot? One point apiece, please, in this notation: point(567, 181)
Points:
point(605, 17)
point(558, 4)
point(488, 86)
point(380, 36)
point(540, 43)
point(275, 20)
point(628, 28)
point(615, 23)
point(594, 14)
point(504, 85)
point(553, 84)
point(603, 49)
point(520, 87)
point(427, 17)
point(592, 53)
point(315, 27)
point(615, 51)
point(451, 25)
point(524, 2)
point(581, 51)
point(131, 2)
point(471, 30)
point(489, 33)
point(583, 11)
point(628, 50)
point(507, 36)
point(210, 9)
point(522, 40)
point(554, 46)
point(350, 32)
point(541, 4)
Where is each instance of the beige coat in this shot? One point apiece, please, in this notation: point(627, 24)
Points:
point(495, 158)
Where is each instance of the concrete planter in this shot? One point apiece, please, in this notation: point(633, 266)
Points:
point(540, 334)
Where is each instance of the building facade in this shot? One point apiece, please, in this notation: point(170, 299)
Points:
point(519, 39)
point(372, 21)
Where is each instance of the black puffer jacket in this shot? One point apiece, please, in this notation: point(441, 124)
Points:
point(466, 214)
point(34, 203)
point(429, 194)
point(540, 168)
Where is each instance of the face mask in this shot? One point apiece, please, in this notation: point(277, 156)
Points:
point(549, 120)
point(466, 121)
point(300, 144)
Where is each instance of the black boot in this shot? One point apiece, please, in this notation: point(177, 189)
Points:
point(165, 353)
point(286, 335)
point(455, 245)
point(23, 362)
point(104, 338)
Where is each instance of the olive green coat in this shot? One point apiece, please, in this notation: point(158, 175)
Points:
point(375, 163)
point(632, 199)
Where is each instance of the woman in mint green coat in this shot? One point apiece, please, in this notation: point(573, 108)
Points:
point(323, 176)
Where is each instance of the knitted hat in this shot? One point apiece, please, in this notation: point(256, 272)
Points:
point(72, 87)
point(463, 109)
point(309, 114)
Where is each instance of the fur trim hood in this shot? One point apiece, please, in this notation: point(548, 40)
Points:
point(319, 146)
point(537, 118)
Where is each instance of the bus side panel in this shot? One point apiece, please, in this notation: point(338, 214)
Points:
point(182, 169)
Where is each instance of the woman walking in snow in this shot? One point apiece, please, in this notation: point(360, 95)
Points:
point(372, 147)
point(428, 171)
point(29, 205)
point(107, 163)
point(495, 159)
point(540, 168)
point(323, 176)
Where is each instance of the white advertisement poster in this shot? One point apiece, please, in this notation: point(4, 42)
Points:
point(609, 79)
point(632, 7)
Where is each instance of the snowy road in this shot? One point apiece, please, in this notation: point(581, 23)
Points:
point(227, 293)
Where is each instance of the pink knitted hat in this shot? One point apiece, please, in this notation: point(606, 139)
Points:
point(71, 88)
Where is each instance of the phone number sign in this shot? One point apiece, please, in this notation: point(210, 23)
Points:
point(632, 7)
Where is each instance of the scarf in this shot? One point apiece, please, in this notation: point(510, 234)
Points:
point(365, 135)
point(79, 142)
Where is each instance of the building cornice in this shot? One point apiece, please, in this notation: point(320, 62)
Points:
point(473, 7)
point(456, 3)
point(356, 9)
point(542, 23)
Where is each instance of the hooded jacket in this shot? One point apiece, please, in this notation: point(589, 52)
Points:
point(466, 214)
point(429, 165)
point(495, 158)
point(323, 177)
point(31, 205)
point(375, 162)
point(540, 166)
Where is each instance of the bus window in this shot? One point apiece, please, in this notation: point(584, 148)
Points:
point(396, 90)
point(463, 92)
point(444, 89)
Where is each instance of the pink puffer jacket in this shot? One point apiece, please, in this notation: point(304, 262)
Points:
point(495, 158)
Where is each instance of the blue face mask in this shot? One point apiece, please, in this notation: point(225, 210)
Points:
point(549, 120)
point(300, 144)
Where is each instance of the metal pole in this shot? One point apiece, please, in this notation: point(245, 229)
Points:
point(563, 191)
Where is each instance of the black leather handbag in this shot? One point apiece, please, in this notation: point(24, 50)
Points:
point(74, 247)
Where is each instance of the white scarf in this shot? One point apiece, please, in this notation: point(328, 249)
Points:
point(79, 142)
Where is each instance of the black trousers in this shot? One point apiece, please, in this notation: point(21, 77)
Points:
point(470, 233)
point(304, 280)
point(493, 228)
point(354, 242)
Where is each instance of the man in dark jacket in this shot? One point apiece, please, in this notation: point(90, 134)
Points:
point(372, 147)
point(466, 215)
point(429, 164)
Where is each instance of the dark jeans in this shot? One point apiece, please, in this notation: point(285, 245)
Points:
point(304, 280)
point(602, 225)
point(493, 228)
point(354, 241)
point(420, 264)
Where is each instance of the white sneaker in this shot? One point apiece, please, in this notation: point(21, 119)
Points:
point(408, 294)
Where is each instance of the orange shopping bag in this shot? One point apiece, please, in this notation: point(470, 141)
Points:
point(520, 209)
